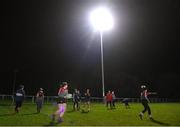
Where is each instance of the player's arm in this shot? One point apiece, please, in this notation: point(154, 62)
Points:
point(23, 95)
point(43, 94)
point(146, 95)
point(73, 96)
point(37, 95)
point(59, 92)
point(152, 93)
point(141, 93)
point(66, 94)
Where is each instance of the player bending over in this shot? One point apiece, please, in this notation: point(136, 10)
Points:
point(126, 102)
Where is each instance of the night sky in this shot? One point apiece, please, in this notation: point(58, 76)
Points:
point(50, 41)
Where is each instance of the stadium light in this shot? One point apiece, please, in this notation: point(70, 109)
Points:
point(101, 20)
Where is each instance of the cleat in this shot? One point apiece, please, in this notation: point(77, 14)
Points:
point(150, 117)
point(52, 117)
point(59, 120)
point(140, 116)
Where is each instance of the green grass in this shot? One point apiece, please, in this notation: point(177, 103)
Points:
point(163, 114)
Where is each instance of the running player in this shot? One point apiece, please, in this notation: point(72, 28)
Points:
point(62, 93)
point(19, 98)
point(145, 101)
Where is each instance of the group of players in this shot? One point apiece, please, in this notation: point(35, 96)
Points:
point(19, 96)
point(77, 98)
point(62, 101)
point(110, 99)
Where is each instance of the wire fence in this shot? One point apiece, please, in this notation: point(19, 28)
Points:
point(51, 99)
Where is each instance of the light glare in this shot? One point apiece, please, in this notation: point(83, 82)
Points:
point(101, 19)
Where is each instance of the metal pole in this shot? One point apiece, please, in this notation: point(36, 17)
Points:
point(102, 64)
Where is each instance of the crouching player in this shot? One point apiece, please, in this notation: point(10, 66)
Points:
point(126, 102)
point(62, 93)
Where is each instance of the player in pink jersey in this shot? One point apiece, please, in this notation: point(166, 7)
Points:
point(62, 94)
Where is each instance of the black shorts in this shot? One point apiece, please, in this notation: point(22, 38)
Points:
point(18, 103)
point(87, 100)
point(126, 103)
point(76, 101)
point(144, 101)
point(61, 100)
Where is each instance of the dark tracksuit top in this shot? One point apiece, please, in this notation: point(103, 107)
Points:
point(19, 95)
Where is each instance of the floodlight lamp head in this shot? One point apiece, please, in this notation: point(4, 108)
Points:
point(101, 19)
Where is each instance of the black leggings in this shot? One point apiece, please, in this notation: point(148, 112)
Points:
point(109, 103)
point(146, 107)
point(76, 104)
point(113, 103)
point(18, 105)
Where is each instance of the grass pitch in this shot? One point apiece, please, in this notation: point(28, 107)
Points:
point(164, 114)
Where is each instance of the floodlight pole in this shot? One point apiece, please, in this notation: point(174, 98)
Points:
point(102, 63)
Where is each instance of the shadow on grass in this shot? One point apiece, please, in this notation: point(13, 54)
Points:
point(5, 104)
point(84, 112)
point(159, 122)
point(70, 111)
point(52, 124)
point(10, 114)
point(29, 114)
